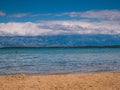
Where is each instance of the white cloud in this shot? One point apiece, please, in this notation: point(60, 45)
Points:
point(71, 14)
point(109, 24)
point(59, 27)
point(22, 29)
point(100, 14)
point(2, 13)
point(19, 15)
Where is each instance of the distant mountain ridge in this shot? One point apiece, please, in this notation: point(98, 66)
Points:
point(59, 40)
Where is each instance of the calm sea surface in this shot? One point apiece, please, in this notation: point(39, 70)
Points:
point(58, 60)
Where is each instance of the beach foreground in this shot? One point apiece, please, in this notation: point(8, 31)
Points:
point(96, 81)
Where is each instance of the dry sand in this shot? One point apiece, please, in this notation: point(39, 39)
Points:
point(97, 81)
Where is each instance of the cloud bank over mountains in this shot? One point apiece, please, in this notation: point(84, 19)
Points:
point(91, 22)
point(59, 27)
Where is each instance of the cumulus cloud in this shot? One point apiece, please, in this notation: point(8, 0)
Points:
point(109, 23)
point(59, 27)
point(71, 14)
point(19, 15)
point(22, 29)
point(2, 13)
point(100, 14)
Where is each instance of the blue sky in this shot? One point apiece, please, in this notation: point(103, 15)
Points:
point(56, 6)
point(51, 17)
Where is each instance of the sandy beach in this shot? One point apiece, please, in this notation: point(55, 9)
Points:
point(95, 81)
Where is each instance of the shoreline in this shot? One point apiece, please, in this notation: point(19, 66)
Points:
point(63, 73)
point(83, 81)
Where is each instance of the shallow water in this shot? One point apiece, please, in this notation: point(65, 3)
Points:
point(58, 60)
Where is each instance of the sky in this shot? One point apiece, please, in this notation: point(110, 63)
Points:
point(54, 17)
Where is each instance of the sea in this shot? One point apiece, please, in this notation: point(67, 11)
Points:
point(58, 60)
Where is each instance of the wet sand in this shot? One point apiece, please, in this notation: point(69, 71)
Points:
point(95, 81)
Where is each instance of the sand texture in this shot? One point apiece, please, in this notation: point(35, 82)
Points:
point(96, 81)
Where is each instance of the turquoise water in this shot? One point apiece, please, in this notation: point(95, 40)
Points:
point(58, 60)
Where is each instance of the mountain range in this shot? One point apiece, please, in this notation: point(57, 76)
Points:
point(59, 40)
